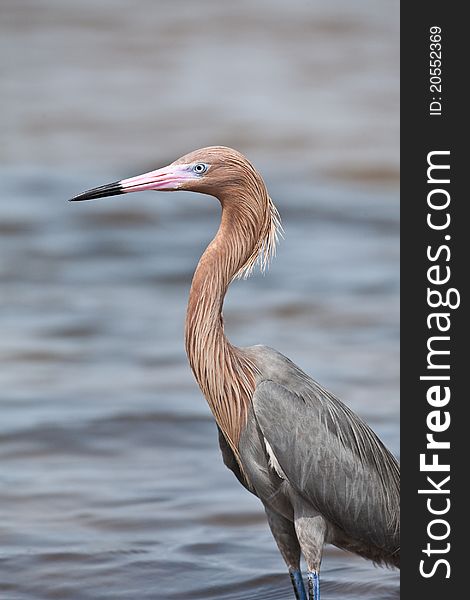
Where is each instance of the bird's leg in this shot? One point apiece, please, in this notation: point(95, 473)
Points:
point(313, 585)
point(298, 584)
point(311, 532)
point(284, 533)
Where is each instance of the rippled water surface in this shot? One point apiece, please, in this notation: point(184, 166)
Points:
point(111, 483)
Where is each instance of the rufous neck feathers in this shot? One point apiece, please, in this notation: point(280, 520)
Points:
point(247, 234)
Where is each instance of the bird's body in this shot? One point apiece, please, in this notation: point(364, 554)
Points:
point(299, 461)
point(320, 471)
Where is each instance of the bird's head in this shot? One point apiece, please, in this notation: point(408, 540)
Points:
point(215, 170)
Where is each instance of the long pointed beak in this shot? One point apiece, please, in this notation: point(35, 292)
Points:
point(167, 179)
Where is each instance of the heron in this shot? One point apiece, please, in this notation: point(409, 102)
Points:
point(320, 471)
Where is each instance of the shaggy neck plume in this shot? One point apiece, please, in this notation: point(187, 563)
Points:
point(226, 377)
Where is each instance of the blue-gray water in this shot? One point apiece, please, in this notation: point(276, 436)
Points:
point(111, 483)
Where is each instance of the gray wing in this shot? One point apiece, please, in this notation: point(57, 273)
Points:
point(332, 459)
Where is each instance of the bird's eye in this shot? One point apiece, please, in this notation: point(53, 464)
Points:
point(200, 168)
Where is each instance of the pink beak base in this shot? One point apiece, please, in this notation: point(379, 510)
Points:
point(166, 179)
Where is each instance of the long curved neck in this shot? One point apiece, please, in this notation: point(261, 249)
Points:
point(224, 375)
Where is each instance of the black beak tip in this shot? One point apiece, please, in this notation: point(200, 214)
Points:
point(110, 189)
